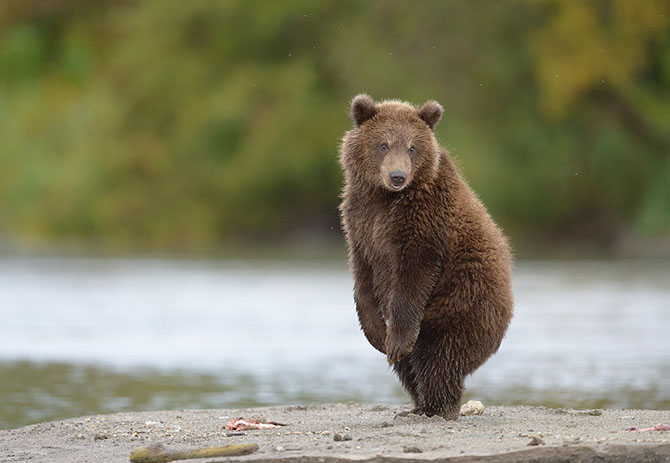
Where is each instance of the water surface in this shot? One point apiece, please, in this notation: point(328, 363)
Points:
point(81, 336)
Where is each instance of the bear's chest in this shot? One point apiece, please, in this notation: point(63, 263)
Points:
point(371, 229)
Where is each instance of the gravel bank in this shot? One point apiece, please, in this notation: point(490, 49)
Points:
point(354, 432)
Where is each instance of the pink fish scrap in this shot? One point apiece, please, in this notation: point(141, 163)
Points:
point(243, 424)
point(658, 427)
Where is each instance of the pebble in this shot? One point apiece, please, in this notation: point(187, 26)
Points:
point(341, 437)
point(378, 408)
point(589, 412)
point(407, 449)
point(535, 440)
point(472, 407)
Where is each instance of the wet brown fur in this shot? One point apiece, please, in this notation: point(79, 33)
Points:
point(432, 271)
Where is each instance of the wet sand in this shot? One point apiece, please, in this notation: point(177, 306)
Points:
point(354, 432)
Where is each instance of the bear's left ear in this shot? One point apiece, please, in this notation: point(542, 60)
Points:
point(430, 113)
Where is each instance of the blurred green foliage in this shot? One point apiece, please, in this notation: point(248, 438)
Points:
point(186, 125)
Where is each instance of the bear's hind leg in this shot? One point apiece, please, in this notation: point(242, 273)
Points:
point(439, 385)
point(440, 396)
point(405, 373)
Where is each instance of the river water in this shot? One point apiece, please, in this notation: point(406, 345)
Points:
point(80, 336)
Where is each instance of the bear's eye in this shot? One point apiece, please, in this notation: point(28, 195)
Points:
point(384, 146)
point(412, 149)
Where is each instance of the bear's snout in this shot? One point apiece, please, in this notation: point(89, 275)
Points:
point(396, 170)
point(398, 178)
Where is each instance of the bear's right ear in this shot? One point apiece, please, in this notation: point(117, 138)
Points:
point(363, 107)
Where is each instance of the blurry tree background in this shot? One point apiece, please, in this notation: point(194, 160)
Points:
point(189, 125)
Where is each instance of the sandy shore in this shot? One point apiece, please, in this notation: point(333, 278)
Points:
point(354, 432)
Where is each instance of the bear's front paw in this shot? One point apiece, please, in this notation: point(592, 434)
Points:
point(397, 347)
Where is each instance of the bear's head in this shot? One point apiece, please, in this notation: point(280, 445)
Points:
point(393, 143)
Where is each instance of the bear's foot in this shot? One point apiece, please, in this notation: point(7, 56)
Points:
point(449, 415)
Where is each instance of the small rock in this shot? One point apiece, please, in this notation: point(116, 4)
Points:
point(296, 408)
point(341, 437)
point(378, 408)
point(472, 407)
point(100, 437)
point(535, 440)
point(407, 449)
point(279, 448)
point(589, 412)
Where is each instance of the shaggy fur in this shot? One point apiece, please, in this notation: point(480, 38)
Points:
point(431, 269)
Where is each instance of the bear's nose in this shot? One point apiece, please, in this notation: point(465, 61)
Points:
point(398, 177)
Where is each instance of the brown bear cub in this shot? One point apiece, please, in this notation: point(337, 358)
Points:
point(432, 271)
